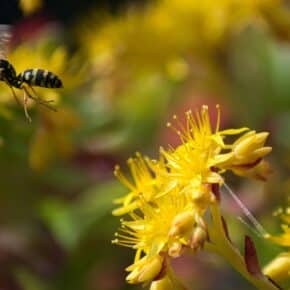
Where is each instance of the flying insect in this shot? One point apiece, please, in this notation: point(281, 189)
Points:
point(27, 79)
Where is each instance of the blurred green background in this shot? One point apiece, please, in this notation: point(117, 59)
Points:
point(127, 67)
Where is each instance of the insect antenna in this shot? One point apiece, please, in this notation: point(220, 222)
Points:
point(253, 224)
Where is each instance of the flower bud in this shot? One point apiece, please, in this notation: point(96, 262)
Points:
point(167, 283)
point(199, 237)
point(260, 172)
point(279, 268)
point(249, 142)
point(203, 195)
point(250, 148)
point(163, 284)
point(182, 224)
point(246, 158)
point(175, 250)
point(144, 270)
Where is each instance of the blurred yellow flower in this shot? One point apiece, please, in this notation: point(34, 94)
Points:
point(45, 53)
point(168, 32)
point(52, 138)
point(279, 268)
point(30, 6)
point(283, 239)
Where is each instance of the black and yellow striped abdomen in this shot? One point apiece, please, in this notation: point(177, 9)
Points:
point(40, 78)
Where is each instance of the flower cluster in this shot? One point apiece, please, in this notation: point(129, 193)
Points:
point(168, 197)
point(206, 27)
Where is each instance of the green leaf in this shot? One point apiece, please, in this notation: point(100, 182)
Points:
point(69, 222)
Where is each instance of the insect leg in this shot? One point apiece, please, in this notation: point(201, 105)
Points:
point(38, 100)
point(25, 98)
point(34, 92)
point(15, 96)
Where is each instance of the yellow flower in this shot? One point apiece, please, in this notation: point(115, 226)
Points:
point(190, 176)
point(279, 268)
point(146, 186)
point(168, 198)
point(163, 228)
point(205, 26)
point(203, 154)
point(160, 225)
point(191, 164)
point(145, 269)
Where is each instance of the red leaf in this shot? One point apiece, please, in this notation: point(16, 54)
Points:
point(251, 258)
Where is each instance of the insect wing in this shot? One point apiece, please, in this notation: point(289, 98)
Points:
point(5, 36)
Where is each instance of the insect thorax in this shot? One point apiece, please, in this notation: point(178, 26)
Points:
point(7, 72)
